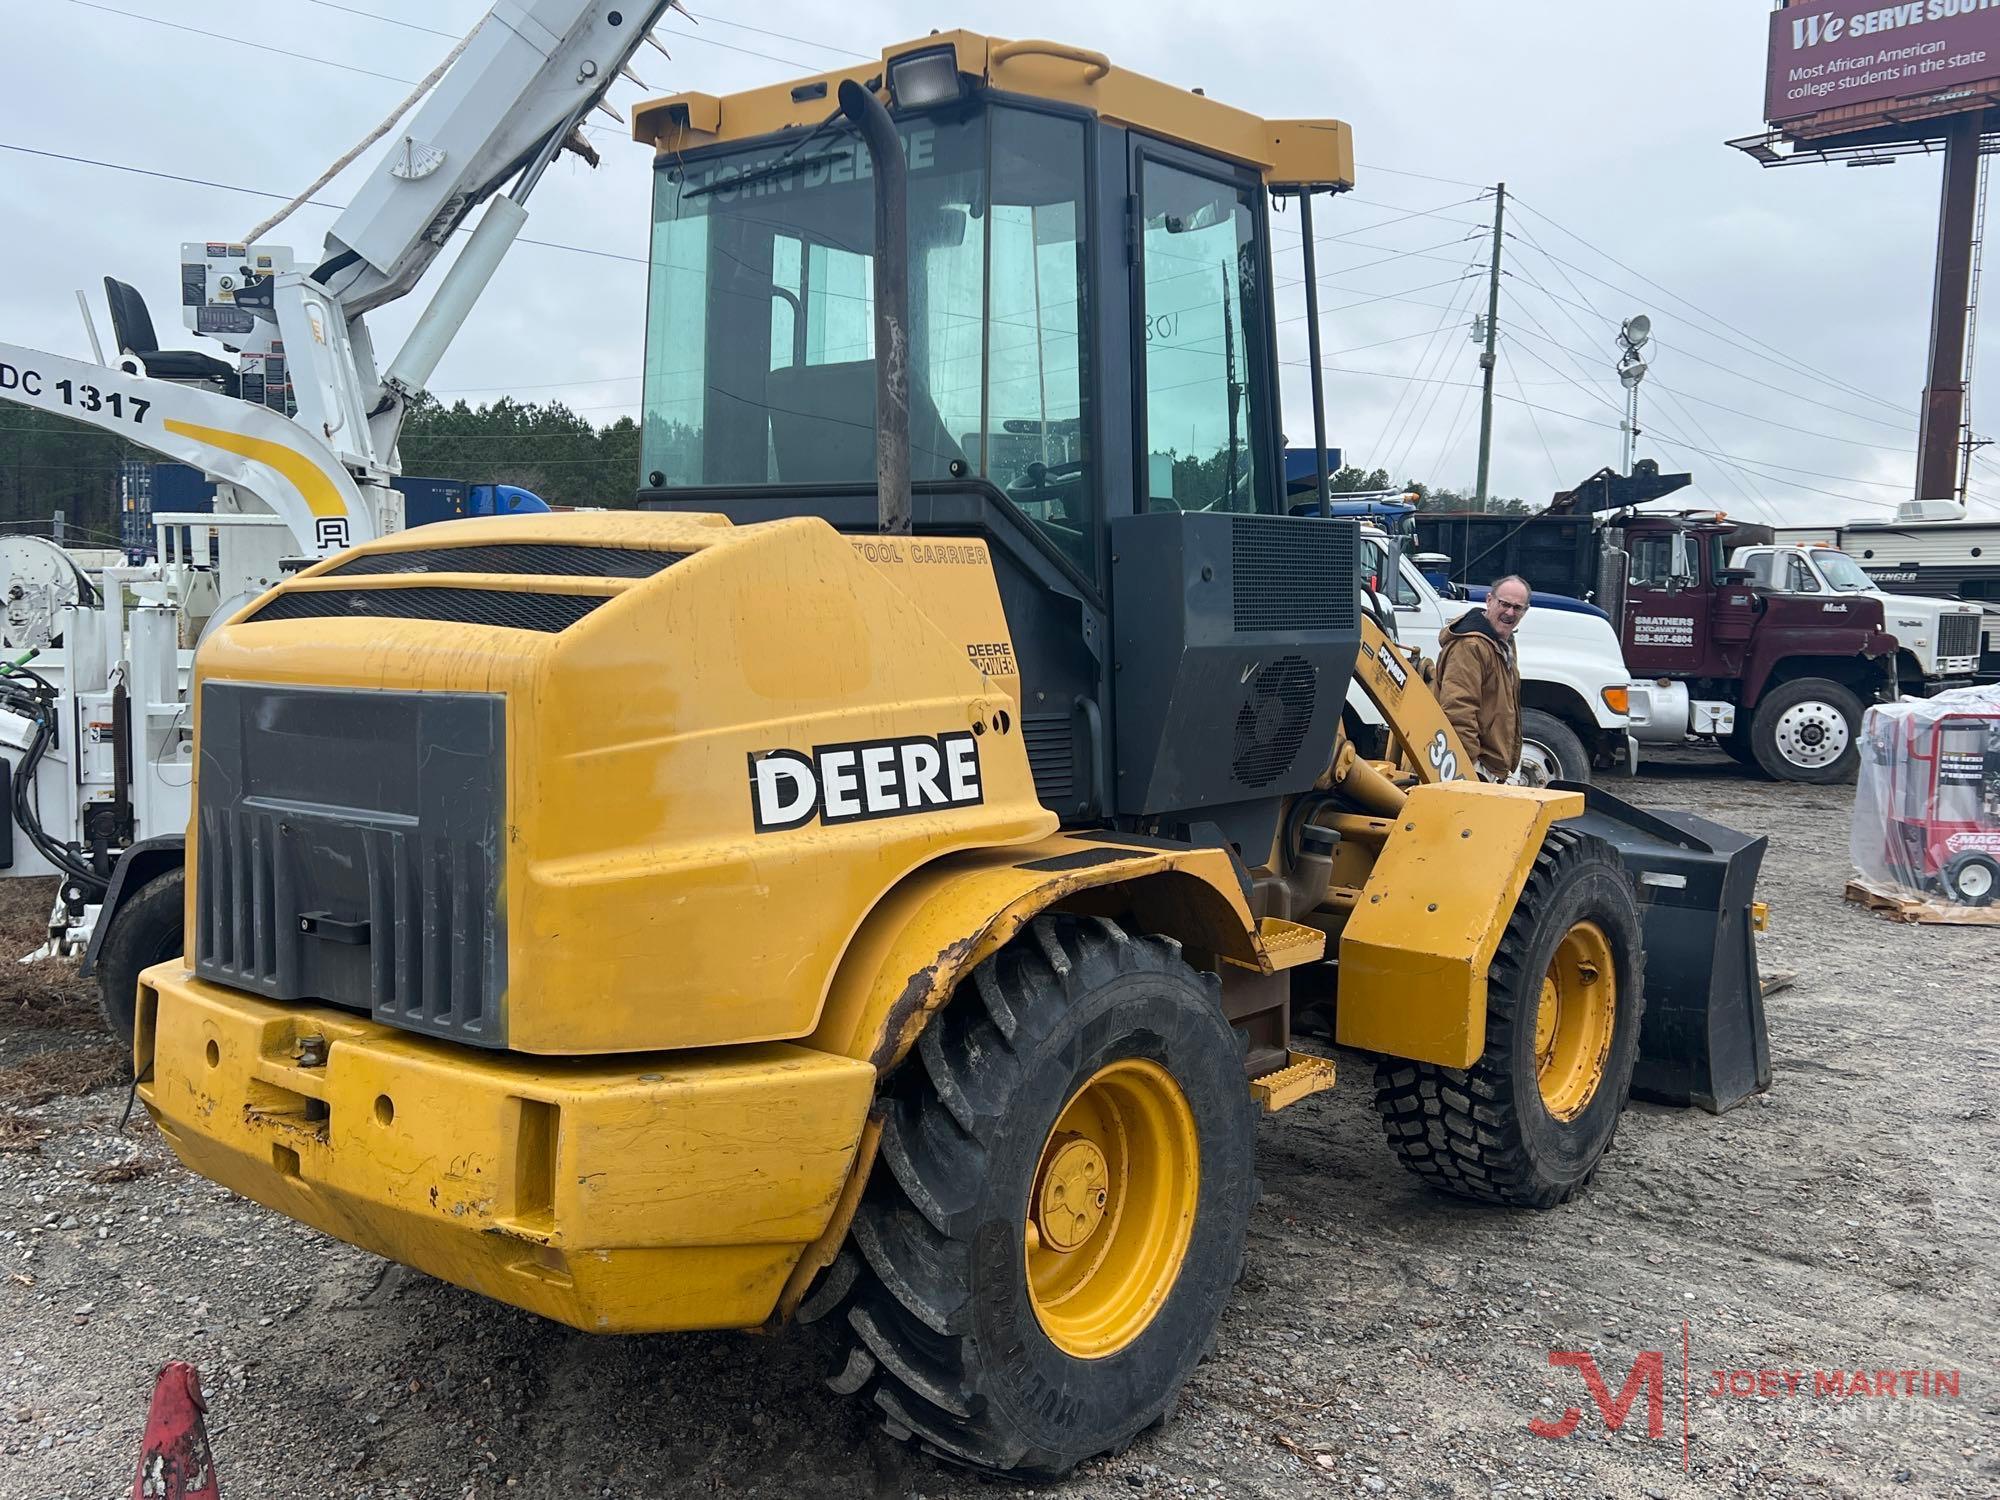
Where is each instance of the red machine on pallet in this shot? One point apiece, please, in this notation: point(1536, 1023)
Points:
point(1927, 811)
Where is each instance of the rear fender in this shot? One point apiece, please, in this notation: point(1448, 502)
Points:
point(939, 923)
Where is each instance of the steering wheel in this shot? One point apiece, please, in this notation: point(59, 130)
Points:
point(1034, 481)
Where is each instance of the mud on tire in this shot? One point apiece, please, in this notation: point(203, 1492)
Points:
point(1484, 1132)
point(943, 1335)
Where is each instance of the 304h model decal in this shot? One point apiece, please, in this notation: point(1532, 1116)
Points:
point(863, 779)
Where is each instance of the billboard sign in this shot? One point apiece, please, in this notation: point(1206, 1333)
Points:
point(1829, 54)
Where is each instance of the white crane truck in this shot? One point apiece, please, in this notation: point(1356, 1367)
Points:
point(95, 740)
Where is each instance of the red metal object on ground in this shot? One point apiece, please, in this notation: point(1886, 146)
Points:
point(175, 1463)
point(1941, 797)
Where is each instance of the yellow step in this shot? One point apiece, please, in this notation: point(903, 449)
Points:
point(1286, 945)
point(1304, 1074)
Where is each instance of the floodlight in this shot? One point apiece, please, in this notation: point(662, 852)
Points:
point(1629, 375)
point(922, 80)
point(1635, 330)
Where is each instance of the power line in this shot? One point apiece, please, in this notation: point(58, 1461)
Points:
point(1734, 465)
point(702, 15)
point(1421, 176)
point(1771, 353)
point(1736, 458)
point(1423, 361)
point(1554, 470)
point(1735, 476)
point(385, 20)
point(709, 41)
point(230, 187)
point(237, 41)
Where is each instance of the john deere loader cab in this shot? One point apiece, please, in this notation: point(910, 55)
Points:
point(1092, 390)
point(873, 887)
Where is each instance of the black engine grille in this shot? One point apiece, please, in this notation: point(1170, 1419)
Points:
point(1051, 744)
point(1292, 574)
point(551, 559)
point(503, 608)
point(349, 853)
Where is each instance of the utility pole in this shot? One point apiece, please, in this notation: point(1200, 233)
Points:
point(1486, 360)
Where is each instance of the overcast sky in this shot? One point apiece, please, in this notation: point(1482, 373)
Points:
point(1790, 306)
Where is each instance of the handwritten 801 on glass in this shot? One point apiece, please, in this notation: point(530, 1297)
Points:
point(84, 397)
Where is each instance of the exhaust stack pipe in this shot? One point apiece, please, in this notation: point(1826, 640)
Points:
point(892, 306)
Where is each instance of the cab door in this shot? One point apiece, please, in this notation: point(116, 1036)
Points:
point(1665, 607)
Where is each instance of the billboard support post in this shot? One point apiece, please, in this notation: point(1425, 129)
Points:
point(1944, 392)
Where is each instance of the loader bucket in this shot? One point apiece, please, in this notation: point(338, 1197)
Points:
point(1703, 1040)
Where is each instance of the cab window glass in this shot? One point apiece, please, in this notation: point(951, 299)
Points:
point(1034, 440)
point(1652, 560)
point(1205, 354)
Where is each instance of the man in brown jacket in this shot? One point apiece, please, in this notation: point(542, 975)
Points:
point(1479, 681)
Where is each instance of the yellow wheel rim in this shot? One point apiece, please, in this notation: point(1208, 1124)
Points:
point(1574, 1020)
point(1111, 1208)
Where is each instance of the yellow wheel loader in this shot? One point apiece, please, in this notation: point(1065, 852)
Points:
point(875, 882)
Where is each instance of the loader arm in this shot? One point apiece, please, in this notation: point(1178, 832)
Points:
point(1395, 681)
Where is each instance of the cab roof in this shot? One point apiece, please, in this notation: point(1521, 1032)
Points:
point(1290, 154)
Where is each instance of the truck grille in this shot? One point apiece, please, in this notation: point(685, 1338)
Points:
point(349, 852)
point(1958, 635)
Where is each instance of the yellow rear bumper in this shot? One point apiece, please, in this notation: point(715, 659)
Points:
point(665, 1192)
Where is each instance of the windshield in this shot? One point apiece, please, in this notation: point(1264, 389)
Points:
point(1842, 571)
point(760, 331)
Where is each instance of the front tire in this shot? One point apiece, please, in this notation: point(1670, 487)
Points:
point(145, 930)
point(1808, 730)
point(1550, 750)
point(1060, 1204)
point(1527, 1124)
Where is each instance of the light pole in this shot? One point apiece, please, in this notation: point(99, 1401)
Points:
point(1632, 336)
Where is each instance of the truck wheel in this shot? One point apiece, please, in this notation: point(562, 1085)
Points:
point(1528, 1122)
point(1059, 1207)
point(1972, 879)
point(1808, 730)
point(1550, 750)
point(145, 930)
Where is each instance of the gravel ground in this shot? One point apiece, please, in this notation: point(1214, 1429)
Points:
point(1384, 1341)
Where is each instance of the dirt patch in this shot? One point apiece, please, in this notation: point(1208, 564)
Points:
point(68, 1071)
point(1384, 1341)
point(48, 992)
point(20, 1133)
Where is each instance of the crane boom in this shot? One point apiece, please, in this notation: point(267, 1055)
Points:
point(526, 77)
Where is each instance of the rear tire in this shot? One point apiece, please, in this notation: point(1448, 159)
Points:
point(1527, 1124)
point(1808, 730)
point(991, 1321)
point(145, 930)
point(1550, 750)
